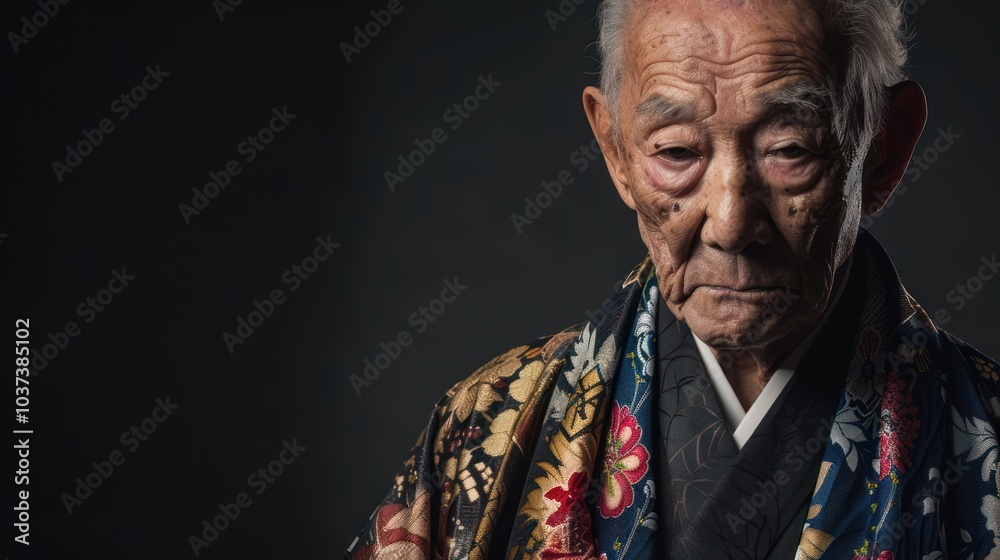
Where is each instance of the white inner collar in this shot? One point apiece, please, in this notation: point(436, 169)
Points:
point(743, 423)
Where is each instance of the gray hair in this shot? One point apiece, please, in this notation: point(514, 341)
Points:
point(874, 38)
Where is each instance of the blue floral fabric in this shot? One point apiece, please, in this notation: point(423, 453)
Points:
point(625, 518)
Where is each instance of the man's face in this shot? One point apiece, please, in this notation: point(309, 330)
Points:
point(738, 185)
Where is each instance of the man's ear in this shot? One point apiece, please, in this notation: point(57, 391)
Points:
point(893, 145)
point(599, 115)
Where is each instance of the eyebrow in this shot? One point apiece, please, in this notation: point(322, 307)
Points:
point(660, 110)
point(799, 97)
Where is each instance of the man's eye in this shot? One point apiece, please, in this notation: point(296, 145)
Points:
point(677, 154)
point(791, 152)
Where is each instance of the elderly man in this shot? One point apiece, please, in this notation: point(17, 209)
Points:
point(762, 385)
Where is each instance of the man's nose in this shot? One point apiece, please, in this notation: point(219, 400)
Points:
point(735, 214)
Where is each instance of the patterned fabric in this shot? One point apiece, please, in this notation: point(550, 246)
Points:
point(720, 502)
point(540, 452)
point(625, 521)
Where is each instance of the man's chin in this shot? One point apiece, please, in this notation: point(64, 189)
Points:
point(727, 338)
point(735, 321)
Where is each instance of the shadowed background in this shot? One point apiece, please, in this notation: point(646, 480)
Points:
point(323, 176)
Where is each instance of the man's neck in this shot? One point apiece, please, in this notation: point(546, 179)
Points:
point(748, 370)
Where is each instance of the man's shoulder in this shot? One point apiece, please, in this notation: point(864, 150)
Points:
point(477, 439)
point(983, 370)
point(510, 379)
point(985, 366)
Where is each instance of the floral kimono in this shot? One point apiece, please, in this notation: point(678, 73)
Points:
point(607, 441)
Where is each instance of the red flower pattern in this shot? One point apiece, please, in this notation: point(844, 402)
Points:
point(569, 498)
point(899, 426)
point(625, 462)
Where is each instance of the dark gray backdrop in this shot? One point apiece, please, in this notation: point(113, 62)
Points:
point(323, 176)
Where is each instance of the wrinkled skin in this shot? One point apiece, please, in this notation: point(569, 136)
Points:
point(740, 200)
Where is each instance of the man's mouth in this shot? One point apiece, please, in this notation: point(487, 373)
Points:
point(749, 289)
point(748, 294)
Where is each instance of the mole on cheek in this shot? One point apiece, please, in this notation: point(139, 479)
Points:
point(792, 211)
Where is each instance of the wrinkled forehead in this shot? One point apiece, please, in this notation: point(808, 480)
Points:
point(705, 40)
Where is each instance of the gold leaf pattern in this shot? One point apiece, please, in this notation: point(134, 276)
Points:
point(498, 442)
point(524, 386)
point(985, 369)
point(813, 544)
